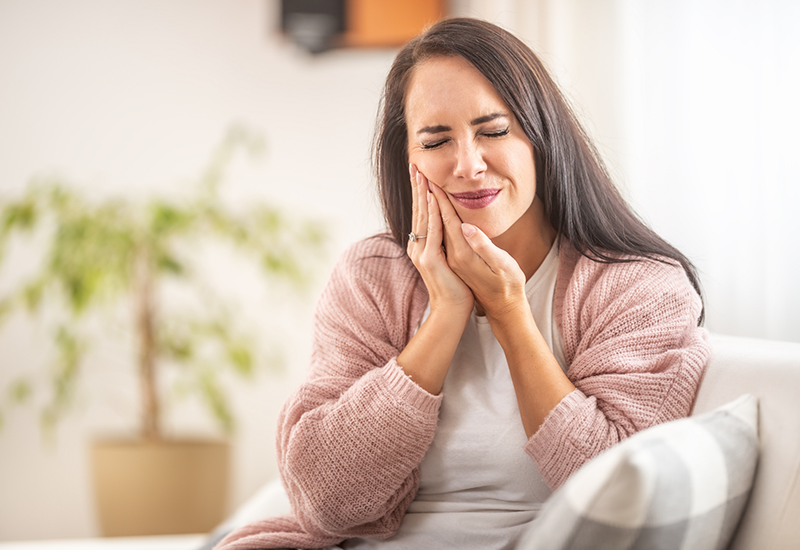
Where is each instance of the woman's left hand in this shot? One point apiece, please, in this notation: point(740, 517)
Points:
point(498, 284)
point(493, 275)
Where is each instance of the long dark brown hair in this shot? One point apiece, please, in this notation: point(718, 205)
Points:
point(580, 200)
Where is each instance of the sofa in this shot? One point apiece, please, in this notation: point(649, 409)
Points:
point(769, 370)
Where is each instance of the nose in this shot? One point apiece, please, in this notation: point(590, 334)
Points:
point(469, 161)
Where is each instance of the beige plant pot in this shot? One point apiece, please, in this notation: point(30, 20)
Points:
point(159, 488)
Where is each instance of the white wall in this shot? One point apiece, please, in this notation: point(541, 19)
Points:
point(131, 96)
point(711, 132)
point(693, 105)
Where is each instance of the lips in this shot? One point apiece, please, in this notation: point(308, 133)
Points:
point(473, 200)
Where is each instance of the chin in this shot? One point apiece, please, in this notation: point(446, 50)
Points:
point(494, 223)
point(491, 230)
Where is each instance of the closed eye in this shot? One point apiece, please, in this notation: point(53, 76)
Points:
point(439, 143)
point(499, 133)
point(434, 144)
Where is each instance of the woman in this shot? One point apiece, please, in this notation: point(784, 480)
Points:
point(518, 319)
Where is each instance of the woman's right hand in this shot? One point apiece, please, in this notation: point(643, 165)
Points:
point(446, 290)
point(427, 356)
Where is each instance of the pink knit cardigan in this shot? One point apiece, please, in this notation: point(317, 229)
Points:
point(350, 439)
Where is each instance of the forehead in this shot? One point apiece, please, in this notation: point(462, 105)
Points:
point(449, 86)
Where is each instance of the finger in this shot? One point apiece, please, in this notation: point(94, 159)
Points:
point(495, 258)
point(415, 213)
point(422, 202)
point(434, 230)
point(454, 240)
point(419, 218)
point(478, 242)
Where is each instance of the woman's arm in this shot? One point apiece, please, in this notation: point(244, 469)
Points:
point(636, 357)
point(427, 356)
point(635, 351)
point(350, 438)
point(498, 284)
point(539, 382)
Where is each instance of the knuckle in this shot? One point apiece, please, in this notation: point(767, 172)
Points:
point(455, 264)
point(461, 257)
point(424, 260)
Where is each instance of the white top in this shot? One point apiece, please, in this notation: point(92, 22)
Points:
point(478, 487)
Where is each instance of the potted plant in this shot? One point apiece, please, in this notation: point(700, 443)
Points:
point(117, 254)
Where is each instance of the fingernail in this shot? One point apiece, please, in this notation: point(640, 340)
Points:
point(412, 170)
point(428, 195)
point(468, 229)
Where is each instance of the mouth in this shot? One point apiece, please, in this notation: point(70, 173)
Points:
point(474, 200)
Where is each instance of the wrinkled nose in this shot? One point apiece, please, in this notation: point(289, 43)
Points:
point(469, 162)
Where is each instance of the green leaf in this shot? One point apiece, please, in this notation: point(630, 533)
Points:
point(167, 219)
point(169, 264)
point(65, 373)
point(20, 391)
point(216, 400)
point(21, 215)
point(48, 419)
point(313, 235)
point(6, 305)
point(241, 358)
point(32, 294)
point(91, 255)
point(178, 347)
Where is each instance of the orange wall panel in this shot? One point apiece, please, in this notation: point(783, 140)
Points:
point(389, 22)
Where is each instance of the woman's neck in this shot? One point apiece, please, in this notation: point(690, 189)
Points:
point(529, 240)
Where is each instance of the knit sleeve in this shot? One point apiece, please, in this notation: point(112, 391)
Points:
point(350, 439)
point(636, 357)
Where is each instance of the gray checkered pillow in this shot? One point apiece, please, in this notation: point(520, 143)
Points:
point(683, 484)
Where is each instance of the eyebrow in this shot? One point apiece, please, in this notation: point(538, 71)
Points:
point(436, 129)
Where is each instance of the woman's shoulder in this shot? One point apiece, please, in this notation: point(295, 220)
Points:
point(626, 272)
point(378, 256)
point(632, 282)
point(375, 279)
point(378, 269)
point(380, 245)
point(638, 300)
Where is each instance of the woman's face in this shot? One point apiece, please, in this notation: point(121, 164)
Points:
point(464, 138)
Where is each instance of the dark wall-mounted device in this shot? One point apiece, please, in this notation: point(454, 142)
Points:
point(320, 25)
point(315, 25)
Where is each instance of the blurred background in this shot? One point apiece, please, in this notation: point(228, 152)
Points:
point(693, 104)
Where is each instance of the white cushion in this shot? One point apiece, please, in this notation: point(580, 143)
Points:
point(681, 484)
point(269, 501)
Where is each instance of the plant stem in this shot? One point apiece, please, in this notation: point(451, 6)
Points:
point(145, 323)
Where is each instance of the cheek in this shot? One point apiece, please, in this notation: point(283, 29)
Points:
point(433, 168)
point(527, 178)
point(524, 169)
